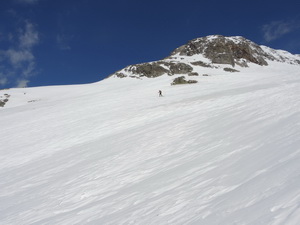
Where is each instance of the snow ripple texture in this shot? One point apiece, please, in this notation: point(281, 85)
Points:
point(223, 151)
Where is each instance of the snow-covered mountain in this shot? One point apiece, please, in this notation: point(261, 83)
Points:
point(211, 51)
point(224, 149)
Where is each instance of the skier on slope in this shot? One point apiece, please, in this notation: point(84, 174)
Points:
point(160, 93)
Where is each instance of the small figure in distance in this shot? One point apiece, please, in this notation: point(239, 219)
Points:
point(160, 93)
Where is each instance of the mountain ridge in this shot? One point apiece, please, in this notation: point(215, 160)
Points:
point(214, 51)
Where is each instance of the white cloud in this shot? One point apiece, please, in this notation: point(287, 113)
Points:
point(18, 61)
point(29, 70)
point(29, 37)
point(277, 29)
point(16, 57)
point(21, 83)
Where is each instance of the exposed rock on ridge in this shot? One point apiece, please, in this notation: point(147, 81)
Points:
point(155, 69)
point(215, 49)
point(233, 50)
point(224, 50)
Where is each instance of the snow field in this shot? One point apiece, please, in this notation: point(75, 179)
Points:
point(223, 151)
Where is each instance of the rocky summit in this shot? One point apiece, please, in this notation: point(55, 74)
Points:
point(215, 51)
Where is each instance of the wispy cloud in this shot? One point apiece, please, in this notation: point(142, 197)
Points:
point(277, 29)
point(27, 1)
point(63, 41)
point(17, 57)
point(29, 38)
point(3, 79)
point(18, 61)
point(22, 83)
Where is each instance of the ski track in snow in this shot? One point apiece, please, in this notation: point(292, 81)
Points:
point(223, 151)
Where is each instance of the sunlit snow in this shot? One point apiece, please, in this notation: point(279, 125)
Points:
point(223, 151)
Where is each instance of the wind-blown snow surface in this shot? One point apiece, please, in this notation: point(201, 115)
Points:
point(223, 151)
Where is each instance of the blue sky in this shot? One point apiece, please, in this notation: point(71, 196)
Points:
point(54, 42)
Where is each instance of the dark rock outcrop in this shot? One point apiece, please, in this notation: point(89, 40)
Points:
point(200, 63)
point(182, 80)
point(193, 74)
point(120, 75)
point(179, 68)
point(147, 69)
point(156, 69)
point(4, 100)
point(230, 70)
point(223, 50)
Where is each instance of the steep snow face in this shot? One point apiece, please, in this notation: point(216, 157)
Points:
point(222, 151)
point(281, 55)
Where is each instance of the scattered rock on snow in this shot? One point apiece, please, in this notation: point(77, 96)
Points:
point(230, 70)
point(182, 80)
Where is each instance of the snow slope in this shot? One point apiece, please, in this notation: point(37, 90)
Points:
point(223, 151)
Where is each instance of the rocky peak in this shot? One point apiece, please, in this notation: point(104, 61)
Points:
point(224, 50)
point(231, 50)
point(214, 49)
